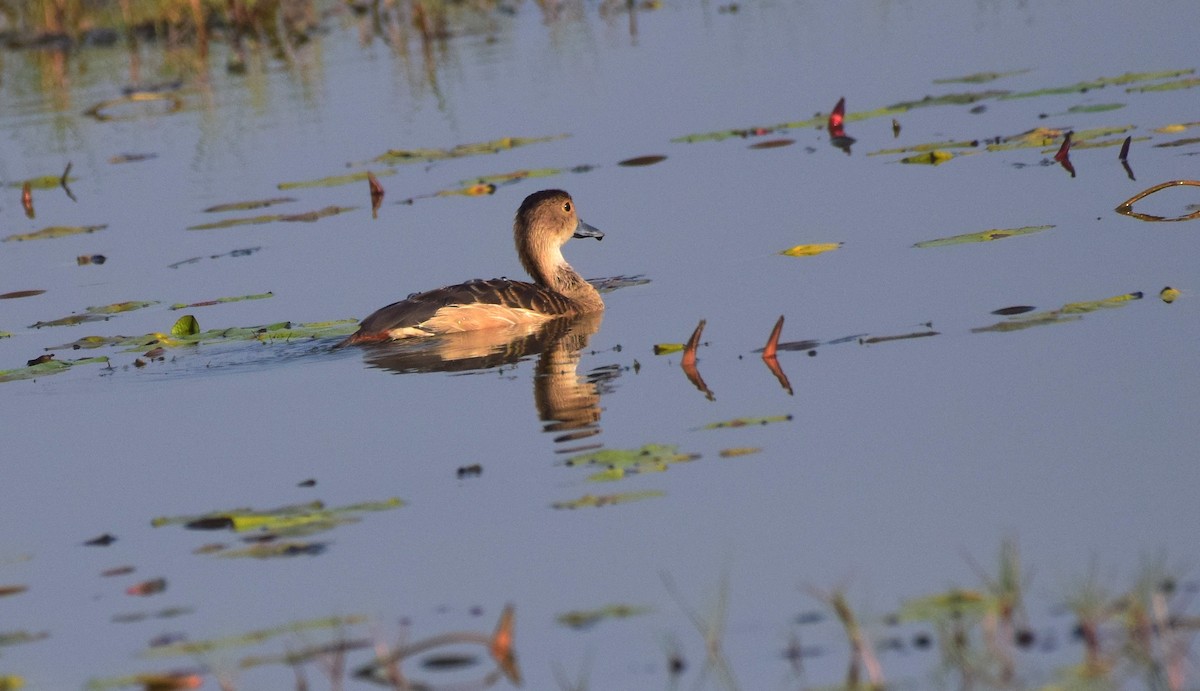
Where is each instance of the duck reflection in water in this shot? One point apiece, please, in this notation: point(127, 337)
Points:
point(568, 403)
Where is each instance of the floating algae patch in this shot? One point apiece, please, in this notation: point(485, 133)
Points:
point(982, 236)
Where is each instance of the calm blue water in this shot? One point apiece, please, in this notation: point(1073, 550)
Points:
point(1073, 439)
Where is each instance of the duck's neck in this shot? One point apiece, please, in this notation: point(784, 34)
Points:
point(550, 270)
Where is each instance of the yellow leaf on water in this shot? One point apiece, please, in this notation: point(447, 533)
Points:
point(810, 250)
point(933, 158)
point(1168, 294)
point(667, 348)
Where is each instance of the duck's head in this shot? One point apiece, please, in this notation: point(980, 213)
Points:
point(545, 221)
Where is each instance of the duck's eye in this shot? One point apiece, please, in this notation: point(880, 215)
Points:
point(567, 207)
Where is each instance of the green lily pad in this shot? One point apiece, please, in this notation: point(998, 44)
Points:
point(979, 77)
point(395, 156)
point(307, 216)
point(249, 205)
point(591, 501)
point(54, 232)
point(336, 180)
point(47, 368)
point(983, 236)
point(222, 300)
point(584, 619)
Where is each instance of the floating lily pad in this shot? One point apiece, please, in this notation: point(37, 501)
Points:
point(479, 189)
point(47, 368)
point(119, 307)
point(308, 216)
point(1166, 86)
point(249, 205)
point(583, 619)
point(979, 77)
point(872, 340)
point(1095, 107)
point(739, 451)
point(202, 647)
point(130, 158)
point(514, 176)
point(20, 294)
point(747, 422)
point(1071, 311)
point(333, 180)
point(945, 606)
point(54, 232)
point(291, 520)
point(8, 638)
point(773, 144)
point(43, 182)
point(642, 160)
point(597, 501)
point(275, 550)
point(810, 250)
point(222, 300)
point(933, 158)
point(1078, 87)
point(983, 236)
point(495, 146)
point(928, 146)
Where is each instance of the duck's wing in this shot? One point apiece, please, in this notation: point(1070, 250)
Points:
point(421, 313)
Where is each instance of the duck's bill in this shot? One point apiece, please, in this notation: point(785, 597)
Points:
point(584, 230)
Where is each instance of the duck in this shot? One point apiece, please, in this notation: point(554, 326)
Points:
point(545, 221)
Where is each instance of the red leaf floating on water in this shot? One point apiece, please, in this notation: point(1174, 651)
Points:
point(1063, 156)
point(837, 118)
point(150, 587)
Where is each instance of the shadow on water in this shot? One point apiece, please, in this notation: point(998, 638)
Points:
point(567, 403)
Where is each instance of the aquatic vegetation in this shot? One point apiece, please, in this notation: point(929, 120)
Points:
point(220, 301)
point(1068, 312)
point(748, 422)
point(46, 368)
point(593, 501)
point(983, 236)
point(53, 232)
point(811, 250)
point(584, 619)
point(307, 217)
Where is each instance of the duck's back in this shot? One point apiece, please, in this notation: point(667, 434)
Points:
point(478, 304)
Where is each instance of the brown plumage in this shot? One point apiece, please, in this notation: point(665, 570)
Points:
point(545, 221)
